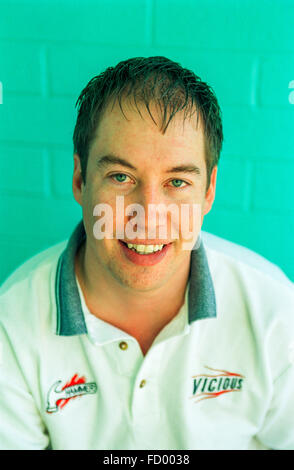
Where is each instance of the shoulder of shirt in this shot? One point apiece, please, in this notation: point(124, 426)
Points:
point(31, 283)
point(248, 271)
point(244, 258)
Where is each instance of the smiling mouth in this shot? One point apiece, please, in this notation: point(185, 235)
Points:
point(144, 249)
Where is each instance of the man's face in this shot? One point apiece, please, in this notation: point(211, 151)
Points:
point(144, 178)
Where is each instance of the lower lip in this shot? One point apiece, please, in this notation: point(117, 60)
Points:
point(144, 260)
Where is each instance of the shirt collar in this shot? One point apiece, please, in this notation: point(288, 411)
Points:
point(70, 317)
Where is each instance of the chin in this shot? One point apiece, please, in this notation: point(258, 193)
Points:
point(142, 281)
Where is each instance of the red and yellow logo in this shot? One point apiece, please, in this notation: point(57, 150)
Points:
point(216, 384)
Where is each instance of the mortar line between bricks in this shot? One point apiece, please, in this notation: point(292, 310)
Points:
point(76, 42)
point(247, 197)
point(44, 71)
point(108, 43)
point(149, 24)
point(47, 174)
point(31, 144)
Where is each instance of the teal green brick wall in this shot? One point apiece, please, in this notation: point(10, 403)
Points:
point(49, 50)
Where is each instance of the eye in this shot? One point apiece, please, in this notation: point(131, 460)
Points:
point(119, 177)
point(178, 183)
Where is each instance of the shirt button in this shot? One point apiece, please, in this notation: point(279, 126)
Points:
point(123, 345)
point(142, 383)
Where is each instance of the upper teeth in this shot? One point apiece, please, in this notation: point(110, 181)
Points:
point(145, 248)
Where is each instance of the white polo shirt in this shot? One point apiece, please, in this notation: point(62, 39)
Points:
point(220, 375)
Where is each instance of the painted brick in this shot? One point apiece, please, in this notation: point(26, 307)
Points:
point(20, 67)
point(233, 182)
point(32, 119)
point(277, 71)
point(22, 170)
point(273, 186)
point(101, 21)
point(35, 218)
point(258, 132)
point(249, 25)
point(62, 170)
point(266, 234)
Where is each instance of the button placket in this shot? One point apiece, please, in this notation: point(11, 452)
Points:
point(145, 396)
point(127, 356)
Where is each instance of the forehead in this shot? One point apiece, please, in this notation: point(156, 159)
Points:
point(135, 130)
point(129, 115)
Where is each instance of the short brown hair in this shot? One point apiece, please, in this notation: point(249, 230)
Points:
point(149, 79)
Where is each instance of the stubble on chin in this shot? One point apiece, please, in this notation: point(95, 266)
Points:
point(140, 278)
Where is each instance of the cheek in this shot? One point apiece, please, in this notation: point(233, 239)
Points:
point(191, 220)
point(94, 196)
point(104, 218)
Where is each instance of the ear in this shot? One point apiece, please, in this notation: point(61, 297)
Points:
point(210, 194)
point(77, 181)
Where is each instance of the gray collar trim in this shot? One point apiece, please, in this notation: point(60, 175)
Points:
point(70, 317)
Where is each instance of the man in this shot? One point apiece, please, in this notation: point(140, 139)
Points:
point(125, 340)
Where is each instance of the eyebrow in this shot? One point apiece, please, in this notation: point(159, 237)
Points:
point(107, 160)
point(185, 169)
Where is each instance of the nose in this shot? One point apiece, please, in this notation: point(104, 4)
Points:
point(151, 220)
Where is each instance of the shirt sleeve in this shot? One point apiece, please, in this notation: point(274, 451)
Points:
point(277, 431)
point(21, 426)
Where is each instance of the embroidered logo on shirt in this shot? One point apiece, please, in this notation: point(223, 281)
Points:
point(213, 385)
point(58, 397)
